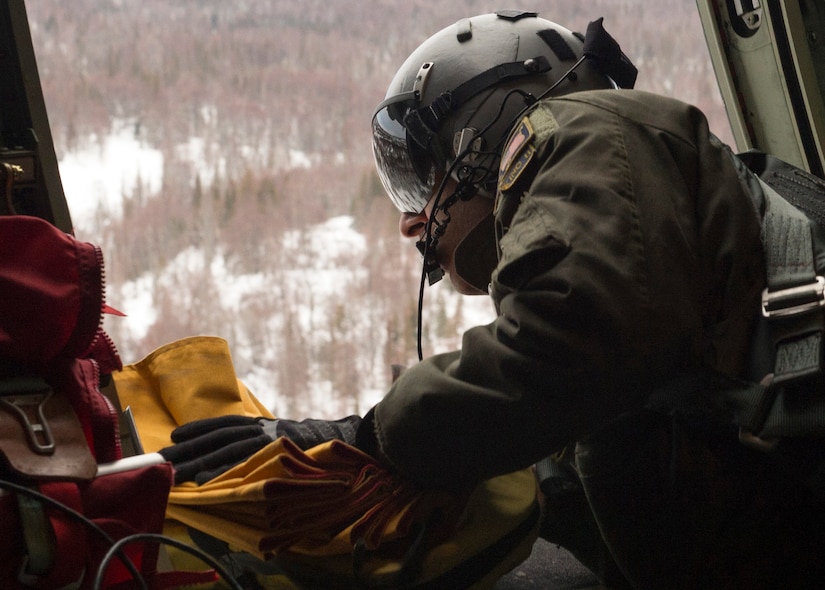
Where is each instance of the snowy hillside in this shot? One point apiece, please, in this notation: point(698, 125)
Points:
point(220, 154)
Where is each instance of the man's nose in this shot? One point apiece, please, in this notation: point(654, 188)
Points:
point(411, 225)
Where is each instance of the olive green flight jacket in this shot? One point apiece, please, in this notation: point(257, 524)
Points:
point(629, 250)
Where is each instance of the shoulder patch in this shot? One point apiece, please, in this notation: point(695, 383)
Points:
point(516, 155)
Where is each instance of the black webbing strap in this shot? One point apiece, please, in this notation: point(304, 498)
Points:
point(762, 412)
point(789, 338)
point(792, 309)
point(423, 123)
point(794, 297)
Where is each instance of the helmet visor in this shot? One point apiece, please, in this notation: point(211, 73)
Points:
point(405, 168)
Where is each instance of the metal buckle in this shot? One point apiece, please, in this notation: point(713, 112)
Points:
point(794, 300)
point(34, 421)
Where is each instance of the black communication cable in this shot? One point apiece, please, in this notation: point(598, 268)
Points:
point(116, 547)
point(21, 489)
point(164, 540)
point(429, 243)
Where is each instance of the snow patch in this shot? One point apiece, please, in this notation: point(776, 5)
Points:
point(98, 176)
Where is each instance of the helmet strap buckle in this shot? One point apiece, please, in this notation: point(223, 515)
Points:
point(467, 147)
point(466, 141)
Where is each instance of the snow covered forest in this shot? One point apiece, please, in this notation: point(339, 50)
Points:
point(219, 152)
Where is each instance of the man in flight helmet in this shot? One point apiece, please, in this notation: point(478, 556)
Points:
point(453, 102)
point(657, 348)
point(620, 242)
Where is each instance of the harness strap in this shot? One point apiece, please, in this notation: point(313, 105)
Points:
point(50, 534)
point(793, 299)
point(792, 306)
point(39, 553)
point(788, 341)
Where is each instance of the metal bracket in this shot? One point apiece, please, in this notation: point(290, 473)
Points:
point(794, 300)
point(29, 406)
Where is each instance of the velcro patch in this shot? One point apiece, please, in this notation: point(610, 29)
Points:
point(516, 155)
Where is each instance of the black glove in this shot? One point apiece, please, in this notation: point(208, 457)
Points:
point(206, 448)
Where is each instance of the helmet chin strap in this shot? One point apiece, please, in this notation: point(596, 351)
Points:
point(431, 269)
point(469, 184)
point(436, 228)
point(468, 187)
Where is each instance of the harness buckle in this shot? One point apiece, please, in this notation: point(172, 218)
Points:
point(794, 300)
point(28, 404)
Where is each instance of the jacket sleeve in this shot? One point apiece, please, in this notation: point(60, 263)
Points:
point(620, 262)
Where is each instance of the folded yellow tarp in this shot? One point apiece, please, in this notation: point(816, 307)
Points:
point(311, 508)
point(186, 380)
point(281, 497)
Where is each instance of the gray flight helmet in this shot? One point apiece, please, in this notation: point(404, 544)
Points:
point(457, 96)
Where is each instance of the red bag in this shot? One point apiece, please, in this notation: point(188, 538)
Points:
point(56, 426)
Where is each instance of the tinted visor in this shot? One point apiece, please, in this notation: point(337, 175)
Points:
point(405, 168)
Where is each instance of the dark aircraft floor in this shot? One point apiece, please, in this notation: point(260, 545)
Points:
point(549, 567)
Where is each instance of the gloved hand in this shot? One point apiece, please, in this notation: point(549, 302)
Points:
point(206, 448)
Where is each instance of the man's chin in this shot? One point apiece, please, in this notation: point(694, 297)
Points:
point(463, 287)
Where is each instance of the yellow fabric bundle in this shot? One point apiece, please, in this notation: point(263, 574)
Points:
point(317, 502)
point(186, 380)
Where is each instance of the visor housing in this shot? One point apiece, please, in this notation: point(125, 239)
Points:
point(405, 167)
